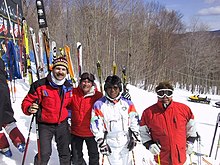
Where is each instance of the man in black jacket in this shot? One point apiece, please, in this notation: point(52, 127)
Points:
point(7, 120)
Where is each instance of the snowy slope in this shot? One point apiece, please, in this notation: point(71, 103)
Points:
point(205, 115)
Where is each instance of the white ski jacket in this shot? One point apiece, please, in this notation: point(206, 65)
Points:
point(115, 117)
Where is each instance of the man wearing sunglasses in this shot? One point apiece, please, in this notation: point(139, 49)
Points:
point(167, 128)
point(114, 123)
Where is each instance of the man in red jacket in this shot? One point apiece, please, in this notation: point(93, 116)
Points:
point(49, 98)
point(84, 96)
point(167, 128)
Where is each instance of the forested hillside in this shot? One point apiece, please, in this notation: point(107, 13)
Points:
point(150, 40)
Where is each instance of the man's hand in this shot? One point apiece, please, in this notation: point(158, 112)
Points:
point(189, 147)
point(104, 147)
point(155, 149)
point(132, 143)
point(33, 108)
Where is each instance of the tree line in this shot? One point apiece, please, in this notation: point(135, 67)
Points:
point(151, 41)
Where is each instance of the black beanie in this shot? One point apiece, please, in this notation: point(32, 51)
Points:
point(111, 81)
point(88, 76)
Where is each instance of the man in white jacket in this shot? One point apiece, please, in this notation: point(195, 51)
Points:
point(114, 123)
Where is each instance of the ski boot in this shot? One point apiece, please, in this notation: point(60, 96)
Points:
point(6, 151)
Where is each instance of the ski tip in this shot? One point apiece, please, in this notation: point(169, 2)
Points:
point(78, 45)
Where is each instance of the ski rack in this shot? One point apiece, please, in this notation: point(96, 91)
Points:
point(213, 140)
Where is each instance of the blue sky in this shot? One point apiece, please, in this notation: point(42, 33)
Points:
point(208, 11)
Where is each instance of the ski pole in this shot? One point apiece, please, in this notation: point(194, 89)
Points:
point(158, 158)
point(206, 161)
point(38, 140)
point(190, 158)
point(103, 156)
point(216, 127)
point(133, 157)
point(37, 133)
point(199, 147)
point(28, 139)
point(218, 145)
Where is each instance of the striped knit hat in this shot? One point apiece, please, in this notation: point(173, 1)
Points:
point(60, 61)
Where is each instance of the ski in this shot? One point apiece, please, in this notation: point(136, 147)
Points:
point(99, 70)
point(25, 28)
point(124, 79)
point(40, 50)
point(70, 65)
point(20, 41)
point(43, 28)
point(79, 57)
point(54, 49)
point(38, 62)
point(47, 48)
point(114, 68)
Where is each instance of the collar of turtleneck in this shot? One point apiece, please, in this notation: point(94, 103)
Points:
point(115, 100)
point(57, 82)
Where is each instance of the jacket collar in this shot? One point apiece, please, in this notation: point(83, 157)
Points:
point(91, 92)
point(162, 107)
point(66, 84)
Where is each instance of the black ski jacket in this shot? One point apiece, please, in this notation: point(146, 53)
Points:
point(6, 111)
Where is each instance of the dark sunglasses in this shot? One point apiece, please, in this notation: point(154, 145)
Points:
point(161, 93)
point(115, 87)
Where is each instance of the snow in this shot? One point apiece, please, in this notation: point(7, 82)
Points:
point(205, 116)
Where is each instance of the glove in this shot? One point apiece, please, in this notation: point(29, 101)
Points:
point(104, 147)
point(133, 139)
point(33, 108)
point(189, 147)
point(155, 149)
point(126, 95)
point(132, 143)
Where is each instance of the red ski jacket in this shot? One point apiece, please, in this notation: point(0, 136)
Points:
point(52, 99)
point(170, 128)
point(81, 111)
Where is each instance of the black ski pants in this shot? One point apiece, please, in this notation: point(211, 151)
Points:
point(77, 147)
point(61, 133)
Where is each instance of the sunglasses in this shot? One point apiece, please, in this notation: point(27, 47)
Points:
point(161, 93)
point(115, 87)
point(88, 76)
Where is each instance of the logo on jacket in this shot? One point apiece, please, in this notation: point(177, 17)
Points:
point(124, 108)
point(44, 93)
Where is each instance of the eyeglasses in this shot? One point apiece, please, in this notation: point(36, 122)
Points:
point(115, 87)
point(161, 93)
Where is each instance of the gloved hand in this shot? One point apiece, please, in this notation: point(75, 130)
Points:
point(132, 143)
point(155, 149)
point(189, 147)
point(133, 139)
point(126, 95)
point(33, 108)
point(104, 147)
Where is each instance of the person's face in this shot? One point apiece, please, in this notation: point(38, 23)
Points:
point(113, 91)
point(86, 85)
point(59, 72)
point(165, 95)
